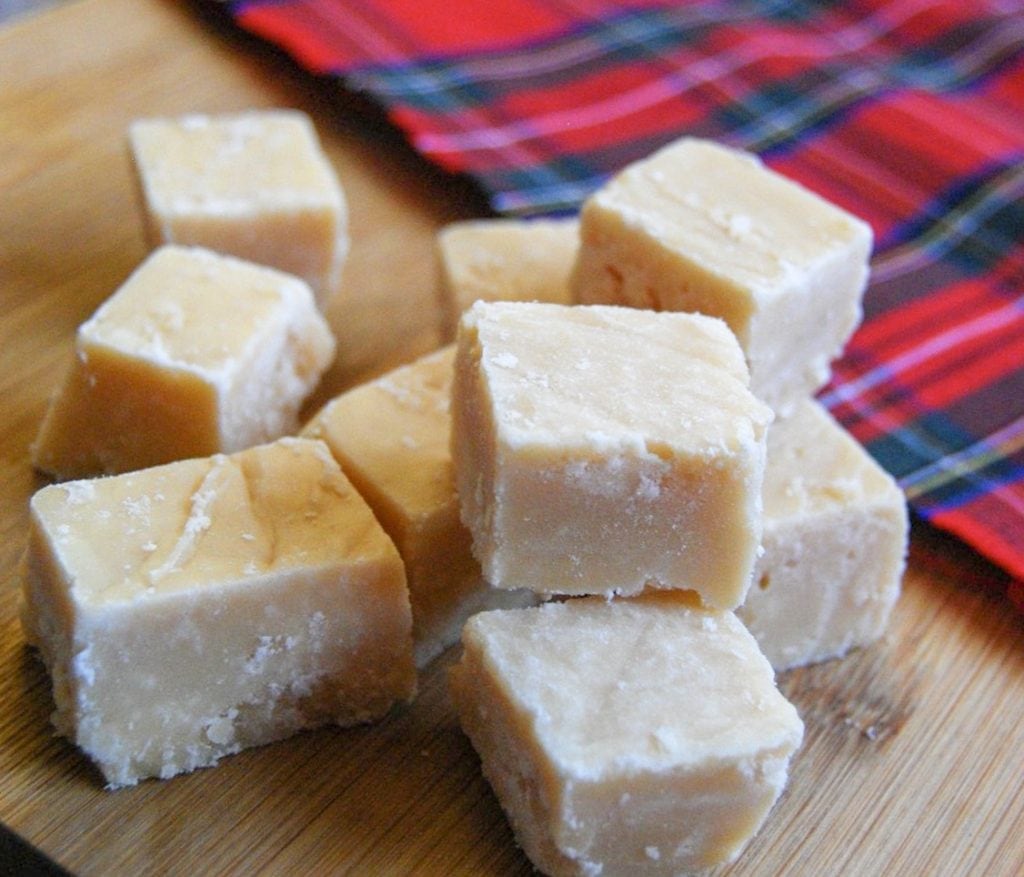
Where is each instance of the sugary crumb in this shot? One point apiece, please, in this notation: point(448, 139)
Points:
point(505, 360)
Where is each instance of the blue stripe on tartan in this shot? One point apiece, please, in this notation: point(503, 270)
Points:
point(783, 113)
point(976, 51)
point(560, 199)
point(973, 224)
point(521, 191)
point(562, 183)
point(986, 465)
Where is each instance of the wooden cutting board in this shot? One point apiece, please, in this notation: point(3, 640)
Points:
point(914, 755)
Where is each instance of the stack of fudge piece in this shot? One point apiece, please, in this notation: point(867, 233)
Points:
point(610, 452)
point(216, 340)
point(834, 521)
point(593, 464)
point(227, 585)
point(611, 461)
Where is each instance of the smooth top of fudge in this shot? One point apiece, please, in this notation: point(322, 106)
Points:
point(192, 309)
point(233, 164)
point(640, 684)
point(813, 465)
point(204, 522)
point(510, 259)
point(400, 416)
point(723, 209)
point(607, 379)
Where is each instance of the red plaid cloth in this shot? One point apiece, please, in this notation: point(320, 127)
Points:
point(909, 113)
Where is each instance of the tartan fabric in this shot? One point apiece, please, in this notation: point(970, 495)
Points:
point(909, 113)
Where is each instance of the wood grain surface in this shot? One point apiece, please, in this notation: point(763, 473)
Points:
point(914, 755)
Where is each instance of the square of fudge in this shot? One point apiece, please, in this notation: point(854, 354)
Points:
point(634, 736)
point(195, 354)
point(835, 543)
point(702, 227)
point(256, 185)
point(391, 437)
point(191, 610)
point(504, 260)
point(602, 450)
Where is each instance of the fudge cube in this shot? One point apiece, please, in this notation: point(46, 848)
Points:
point(256, 185)
point(640, 736)
point(835, 541)
point(505, 260)
point(700, 227)
point(601, 450)
point(391, 438)
point(191, 610)
point(195, 354)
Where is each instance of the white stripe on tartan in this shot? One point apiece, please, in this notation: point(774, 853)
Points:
point(847, 392)
point(347, 21)
point(614, 108)
point(853, 165)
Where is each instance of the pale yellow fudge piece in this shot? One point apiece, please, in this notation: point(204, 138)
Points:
point(600, 450)
point(191, 610)
point(256, 185)
point(835, 541)
point(638, 736)
point(700, 227)
point(391, 437)
point(195, 354)
point(505, 260)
